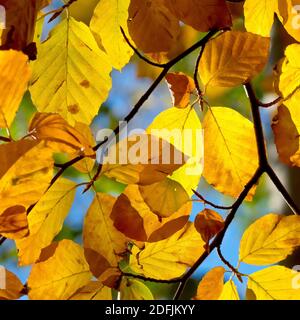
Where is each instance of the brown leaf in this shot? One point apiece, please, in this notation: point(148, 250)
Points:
point(208, 223)
point(13, 222)
point(181, 87)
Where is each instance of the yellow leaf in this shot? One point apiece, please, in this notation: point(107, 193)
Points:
point(100, 235)
point(230, 154)
point(289, 17)
point(182, 128)
point(94, 290)
point(59, 134)
point(274, 283)
point(26, 169)
point(152, 27)
point(270, 239)
point(109, 16)
point(13, 223)
point(13, 286)
point(45, 220)
point(142, 159)
point(229, 291)
point(286, 128)
point(174, 197)
point(202, 15)
point(211, 285)
point(233, 58)
point(20, 22)
point(181, 87)
point(72, 75)
point(169, 258)
point(208, 223)
point(132, 289)
point(61, 275)
point(259, 15)
point(14, 76)
point(133, 217)
point(290, 71)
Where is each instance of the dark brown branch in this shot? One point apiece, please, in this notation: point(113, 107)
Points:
point(219, 238)
point(58, 12)
point(211, 203)
point(140, 277)
point(270, 104)
point(142, 57)
point(280, 187)
point(5, 139)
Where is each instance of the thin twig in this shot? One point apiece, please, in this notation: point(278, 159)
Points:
point(211, 203)
point(140, 277)
point(270, 104)
point(142, 57)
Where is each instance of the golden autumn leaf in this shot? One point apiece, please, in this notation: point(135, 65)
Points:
point(151, 26)
point(289, 16)
point(202, 15)
point(259, 16)
point(286, 129)
point(142, 159)
point(61, 272)
point(290, 71)
point(230, 157)
point(132, 289)
point(229, 291)
point(94, 290)
point(25, 173)
point(109, 16)
point(274, 283)
point(72, 75)
point(100, 235)
point(233, 58)
point(182, 128)
point(20, 22)
point(45, 220)
point(13, 223)
point(133, 217)
point(208, 223)
point(14, 77)
point(270, 239)
point(181, 87)
point(211, 285)
point(60, 136)
point(13, 286)
point(174, 197)
point(169, 258)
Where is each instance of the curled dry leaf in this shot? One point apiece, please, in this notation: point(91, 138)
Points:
point(13, 223)
point(181, 87)
point(208, 223)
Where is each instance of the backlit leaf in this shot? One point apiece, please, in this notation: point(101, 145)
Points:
point(109, 16)
point(59, 276)
point(94, 290)
point(25, 172)
point(72, 75)
point(229, 291)
point(132, 289)
point(230, 155)
point(169, 258)
point(13, 286)
point(14, 76)
point(274, 283)
point(233, 58)
point(270, 239)
point(45, 220)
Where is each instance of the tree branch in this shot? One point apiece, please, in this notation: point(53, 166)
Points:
point(140, 277)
